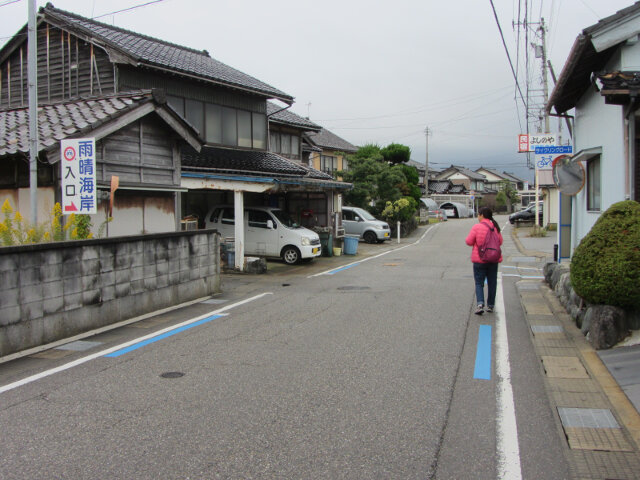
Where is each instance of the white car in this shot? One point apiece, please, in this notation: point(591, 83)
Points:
point(268, 232)
point(357, 221)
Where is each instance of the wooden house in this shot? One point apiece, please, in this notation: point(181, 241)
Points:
point(80, 58)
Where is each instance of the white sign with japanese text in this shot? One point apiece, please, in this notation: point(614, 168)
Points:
point(547, 154)
point(528, 143)
point(78, 166)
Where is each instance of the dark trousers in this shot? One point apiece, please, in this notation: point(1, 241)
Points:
point(490, 272)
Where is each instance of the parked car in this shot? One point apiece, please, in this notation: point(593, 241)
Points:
point(268, 232)
point(357, 221)
point(438, 214)
point(526, 215)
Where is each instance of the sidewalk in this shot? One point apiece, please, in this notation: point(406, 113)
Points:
point(598, 420)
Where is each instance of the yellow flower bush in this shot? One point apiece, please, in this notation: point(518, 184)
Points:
point(15, 231)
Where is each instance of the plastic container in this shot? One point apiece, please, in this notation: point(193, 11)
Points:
point(326, 241)
point(337, 251)
point(350, 244)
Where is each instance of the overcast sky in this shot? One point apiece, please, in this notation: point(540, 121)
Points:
point(374, 71)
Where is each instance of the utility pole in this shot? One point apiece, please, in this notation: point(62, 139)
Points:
point(545, 92)
point(427, 132)
point(32, 73)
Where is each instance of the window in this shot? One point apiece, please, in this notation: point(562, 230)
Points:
point(194, 113)
point(228, 216)
point(274, 142)
point(593, 184)
point(259, 130)
point(345, 165)
point(177, 103)
point(258, 218)
point(229, 127)
point(223, 125)
point(213, 122)
point(328, 163)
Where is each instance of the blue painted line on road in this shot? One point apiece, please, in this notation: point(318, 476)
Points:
point(482, 370)
point(138, 345)
point(332, 272)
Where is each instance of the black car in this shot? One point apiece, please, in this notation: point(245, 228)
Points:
point(526, 215)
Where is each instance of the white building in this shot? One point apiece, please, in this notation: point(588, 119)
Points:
point(601, 81)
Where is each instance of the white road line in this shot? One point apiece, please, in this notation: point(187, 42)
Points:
point(328, 272)
point(93, 356)
point(508, 449)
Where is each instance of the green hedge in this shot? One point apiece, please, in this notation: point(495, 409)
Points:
point(605, 267)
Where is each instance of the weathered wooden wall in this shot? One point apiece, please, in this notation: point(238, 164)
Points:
point(67, 67)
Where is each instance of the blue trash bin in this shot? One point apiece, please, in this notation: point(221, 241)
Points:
point(350, 244)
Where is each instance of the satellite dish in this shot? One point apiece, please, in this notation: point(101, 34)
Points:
point(568, 176)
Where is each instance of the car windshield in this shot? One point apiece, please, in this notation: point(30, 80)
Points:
point(285, 219)
point(366, 215)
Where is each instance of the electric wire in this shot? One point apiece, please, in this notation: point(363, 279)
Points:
point(495, 14)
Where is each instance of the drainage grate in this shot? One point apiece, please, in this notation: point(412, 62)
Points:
point(587, 417)
point(172, 374)
point(354, 288)
point(546, 329)
point(593, 429)
point(79, 346)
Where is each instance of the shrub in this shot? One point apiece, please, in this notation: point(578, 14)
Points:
point(605, 268)
point(401, 210)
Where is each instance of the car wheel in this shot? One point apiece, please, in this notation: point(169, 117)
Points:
point(370, 237)
point(291, 255)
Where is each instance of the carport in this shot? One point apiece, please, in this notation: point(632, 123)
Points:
point(257, 178)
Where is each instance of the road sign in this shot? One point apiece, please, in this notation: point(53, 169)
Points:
point(546, 155)
point(77, 170)
point(528, 143)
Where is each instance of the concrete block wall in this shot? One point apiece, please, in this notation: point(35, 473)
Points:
point(53, 291)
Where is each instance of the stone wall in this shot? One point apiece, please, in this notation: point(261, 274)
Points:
point(603, 325)
point(56, 290)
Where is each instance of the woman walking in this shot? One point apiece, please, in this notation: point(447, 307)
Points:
point(485, 265)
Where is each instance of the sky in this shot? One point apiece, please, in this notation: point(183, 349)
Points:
point(377, 71)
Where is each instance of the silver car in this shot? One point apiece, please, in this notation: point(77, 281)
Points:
point(357, 221)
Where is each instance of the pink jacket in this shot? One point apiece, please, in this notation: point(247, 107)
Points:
point(476, 237)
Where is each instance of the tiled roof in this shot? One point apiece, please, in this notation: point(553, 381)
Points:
point(584, 59)
point(457, 189)
point(325, 139)
point(287, 117)
point(439, 186)
point(64, 119)
point(511, 176)
point(159, 53)
point(494, 172)
point(465, 171)
point(253, 162)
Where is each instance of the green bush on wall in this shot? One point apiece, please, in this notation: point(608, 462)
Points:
point(605, 267)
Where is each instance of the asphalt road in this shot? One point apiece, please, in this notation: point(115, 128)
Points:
point(361, 373)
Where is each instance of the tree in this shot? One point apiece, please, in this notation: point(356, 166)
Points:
point(507, 195)
point(396, 153)
point(376, 180)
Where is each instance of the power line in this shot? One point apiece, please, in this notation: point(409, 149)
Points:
point(9, 2)
point(515, 77)
point(128, 9)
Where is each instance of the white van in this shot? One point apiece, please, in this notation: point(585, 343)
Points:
point(268, 232)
